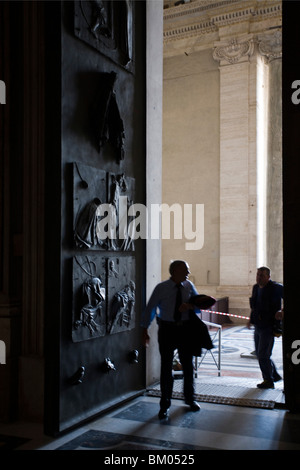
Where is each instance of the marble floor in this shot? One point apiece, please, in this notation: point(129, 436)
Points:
point(214, 427)
point(134, 426)
point(237, 345)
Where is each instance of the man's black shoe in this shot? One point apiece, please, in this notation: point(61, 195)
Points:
point(194, 406)
point(277, 378)
point(266, 384)
point(163, 413)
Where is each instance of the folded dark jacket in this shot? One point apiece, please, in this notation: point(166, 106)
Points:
point(199, 335)
point(202, 301)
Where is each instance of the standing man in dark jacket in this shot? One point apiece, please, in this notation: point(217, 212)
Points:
point(266, 300)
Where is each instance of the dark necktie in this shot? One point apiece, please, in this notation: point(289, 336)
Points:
point(177, 313)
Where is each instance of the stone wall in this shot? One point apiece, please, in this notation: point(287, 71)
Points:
point(222, 139)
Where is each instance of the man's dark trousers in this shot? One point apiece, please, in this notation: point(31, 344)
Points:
point(264, 341)
point(173, 336)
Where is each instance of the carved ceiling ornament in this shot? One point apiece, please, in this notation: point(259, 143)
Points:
point(234, 50)
point(270, 46)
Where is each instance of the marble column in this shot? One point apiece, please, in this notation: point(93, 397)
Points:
point(243, 78)
point(270, 47)
point(250, 162)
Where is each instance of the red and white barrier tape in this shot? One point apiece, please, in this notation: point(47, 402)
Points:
point(227, 314)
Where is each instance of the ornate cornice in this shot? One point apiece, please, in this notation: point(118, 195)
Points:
point(190, 30)
point(195, 8)
point(203, 17)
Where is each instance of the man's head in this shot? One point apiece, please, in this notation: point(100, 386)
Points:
point(179, 271)
point(263, 275)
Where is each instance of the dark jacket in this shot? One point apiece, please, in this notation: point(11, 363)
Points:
point(264, 303)
point(199, 335)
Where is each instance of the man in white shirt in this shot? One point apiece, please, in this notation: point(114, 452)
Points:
point(169, 302)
